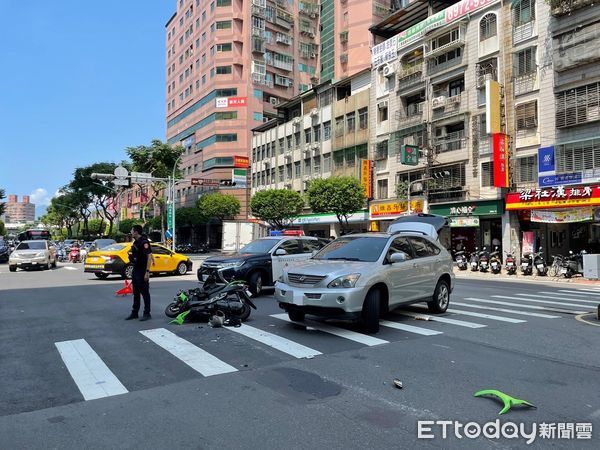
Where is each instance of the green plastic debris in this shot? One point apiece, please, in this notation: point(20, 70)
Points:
point(180, 318)
point(508, 401)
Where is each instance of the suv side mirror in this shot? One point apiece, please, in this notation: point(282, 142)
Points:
point(398, 257)
point(280, 252)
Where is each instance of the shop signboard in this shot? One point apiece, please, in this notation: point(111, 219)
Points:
point(230, 102)
point(500, 149)
point(242, 162)
point(476, 208)
point(560, 179)
point(366, 177)
point(384, 210)
point(554, 197)
point(307, 219)
point(528, 241)
point(459, 222)
point(562, 216)
point(240, 177)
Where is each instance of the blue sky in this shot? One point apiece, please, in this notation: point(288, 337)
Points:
point(79, 82)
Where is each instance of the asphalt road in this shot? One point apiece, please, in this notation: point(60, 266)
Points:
point(193, 386)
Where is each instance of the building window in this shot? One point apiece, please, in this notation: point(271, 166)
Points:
point(487, 174)
point(258, 116)
point(526, 116)
point(317, 133)
point(224, 47)
point(223, 70)
point(382, 112)
point(307, 136)
point(327, 163)
point(297, 138)
point(327, 131)
point(524, 62)
point(350, 122)
point(217, 162)
point(212, 72)
point(526, 169)
point(307, 167)
point(382, 189)
point(577, 156)
point(578, 105)
point(281, 145)
point(223, 3)
point(339, 126)
point(363, 118)
point(226, 115)
point(381, 151)
point(224, 25)
point(523, 12)
point(297, 169)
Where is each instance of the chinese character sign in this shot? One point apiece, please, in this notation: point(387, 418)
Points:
point(366, 177)
point(554, 197)
point(500, 150)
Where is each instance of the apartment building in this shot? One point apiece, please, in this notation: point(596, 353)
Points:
point(320, 133)
point(429, 90)
point(229, 63)
point(16, 211)
point(558, 209)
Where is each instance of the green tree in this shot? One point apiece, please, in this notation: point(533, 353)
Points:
point(337, 195)
point(158, 159)
point(2, 203)
point(189, 217)
point(126, 224)
point(218, 206)
point(62, 212)
point(2, 229)
point(277, 207)
point(96, 227)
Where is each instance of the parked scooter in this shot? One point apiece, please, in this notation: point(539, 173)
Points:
point(74, 255)
point(540, 263)
point(461, 260)
point(527, 264)
point(495, 262)
point(511, 264)
point(484, 260)
point(573, 264)
point(474, 260)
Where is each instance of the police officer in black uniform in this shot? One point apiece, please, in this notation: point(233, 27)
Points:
point(141, 256)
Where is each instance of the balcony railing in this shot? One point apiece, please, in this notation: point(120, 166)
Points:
point(484, 145)
point(444, 106)
point(458, 42)
point(433, 68)
point(309, 31)
point(452, 141)
point(525, 83)
point(308, 9)
point(381, 10)
point(283, 65)
point(484, 72)
point(523, 32)
point(258, 11)
point(568, 6)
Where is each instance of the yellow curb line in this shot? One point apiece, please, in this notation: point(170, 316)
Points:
point(580, 318)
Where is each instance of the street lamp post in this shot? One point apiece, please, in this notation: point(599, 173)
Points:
point(172, 195)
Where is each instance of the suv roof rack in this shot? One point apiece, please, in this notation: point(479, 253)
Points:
point(409, 231)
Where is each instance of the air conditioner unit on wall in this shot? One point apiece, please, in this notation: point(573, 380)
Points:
point(388, 70)
point(273, 100)
point(314, 112)
point(438, 102)
point(296, 120)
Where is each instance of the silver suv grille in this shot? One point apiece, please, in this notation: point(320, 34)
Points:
point(305, 280)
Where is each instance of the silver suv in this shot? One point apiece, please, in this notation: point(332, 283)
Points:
point(361, 276)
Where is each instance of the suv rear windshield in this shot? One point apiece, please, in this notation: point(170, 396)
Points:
point(260, 246)
point(354, 248)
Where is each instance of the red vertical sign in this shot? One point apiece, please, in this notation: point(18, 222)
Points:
point(500, 149)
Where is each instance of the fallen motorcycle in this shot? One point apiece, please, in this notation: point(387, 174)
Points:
point(229, 300)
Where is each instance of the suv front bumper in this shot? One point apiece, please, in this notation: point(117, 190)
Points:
point(343, 303)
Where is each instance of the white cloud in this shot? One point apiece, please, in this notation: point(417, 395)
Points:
point(40, 197)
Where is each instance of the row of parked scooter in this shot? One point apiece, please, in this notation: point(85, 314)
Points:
point(483, 261)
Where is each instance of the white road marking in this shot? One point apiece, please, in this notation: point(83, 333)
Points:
point(70, 268)
point(277, 342)
point(549, 302)
point(199, 360)
point(409, 328)
point(460, 323)
point(486, 316)
point(93, 378)
point(521, 305)
point(341, 332)
point(560, 297)
point(579, 292)
point(523, 313)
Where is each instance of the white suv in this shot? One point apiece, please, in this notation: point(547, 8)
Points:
point(32, 254)
point(361, 276)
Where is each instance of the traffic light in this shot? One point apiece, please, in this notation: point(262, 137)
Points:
point(409, 155)
point(227, 183)
point(441, 174)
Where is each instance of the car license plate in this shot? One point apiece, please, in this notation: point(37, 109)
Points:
point(540, 266)
point(563, 270)
point(94, 259)
point(525, 265)
point(26, 261)
point(94, 266)
point(510, 264)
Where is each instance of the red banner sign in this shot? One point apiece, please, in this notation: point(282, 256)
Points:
point(555, 197)
point(500, 149)
point(366, 177)
point(241, 162)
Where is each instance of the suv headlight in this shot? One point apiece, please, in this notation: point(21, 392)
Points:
point(346, 281)
point(232, 264)
point(40, 254)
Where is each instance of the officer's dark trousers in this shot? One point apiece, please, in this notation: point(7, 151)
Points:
point(140, 287)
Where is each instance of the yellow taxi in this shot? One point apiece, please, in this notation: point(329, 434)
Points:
point(114, 260)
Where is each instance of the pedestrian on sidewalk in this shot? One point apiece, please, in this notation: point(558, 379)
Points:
point(141, 256)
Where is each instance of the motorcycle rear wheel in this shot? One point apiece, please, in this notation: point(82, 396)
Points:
point(245, 313)
point(173, 310)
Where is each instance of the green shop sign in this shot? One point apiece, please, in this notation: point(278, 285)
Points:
point(475, 208)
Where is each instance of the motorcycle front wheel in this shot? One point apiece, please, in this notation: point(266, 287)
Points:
point(173, 310)
point(245, 313)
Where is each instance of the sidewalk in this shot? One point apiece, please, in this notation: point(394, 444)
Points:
point(520, 278)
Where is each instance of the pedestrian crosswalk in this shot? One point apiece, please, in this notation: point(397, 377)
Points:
point(282, 339)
